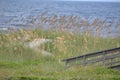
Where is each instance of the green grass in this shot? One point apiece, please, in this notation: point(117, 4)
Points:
point(19, 62)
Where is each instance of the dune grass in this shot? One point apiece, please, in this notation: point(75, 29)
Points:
point(20, 62)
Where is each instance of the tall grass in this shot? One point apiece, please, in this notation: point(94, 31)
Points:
point(90, 25)
point(70, 36)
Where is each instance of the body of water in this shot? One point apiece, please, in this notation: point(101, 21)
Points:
point(19, 13)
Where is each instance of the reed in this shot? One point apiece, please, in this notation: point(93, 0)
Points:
point(69, 36)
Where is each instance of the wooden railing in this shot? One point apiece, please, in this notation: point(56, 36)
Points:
point(109, 58)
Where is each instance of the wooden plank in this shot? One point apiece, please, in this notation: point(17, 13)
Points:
point(101, 59)
point(112, 63)
point(115, 67)
point(93, 54)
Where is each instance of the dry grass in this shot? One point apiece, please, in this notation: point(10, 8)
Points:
point(70, 36)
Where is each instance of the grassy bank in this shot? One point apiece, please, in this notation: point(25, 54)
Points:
point(37, 54)
point(20, 62)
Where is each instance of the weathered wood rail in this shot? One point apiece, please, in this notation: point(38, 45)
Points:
point(109, 58)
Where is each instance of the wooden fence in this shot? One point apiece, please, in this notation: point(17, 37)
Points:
point(109, 58)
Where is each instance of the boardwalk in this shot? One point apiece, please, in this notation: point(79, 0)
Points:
point(109, 58)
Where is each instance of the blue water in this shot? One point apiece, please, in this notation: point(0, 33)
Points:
point(20, 12)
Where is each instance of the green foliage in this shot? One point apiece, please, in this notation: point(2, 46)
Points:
point(23, 78)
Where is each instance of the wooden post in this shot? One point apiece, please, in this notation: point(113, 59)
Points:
point(104, 57)
point(84, 60)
